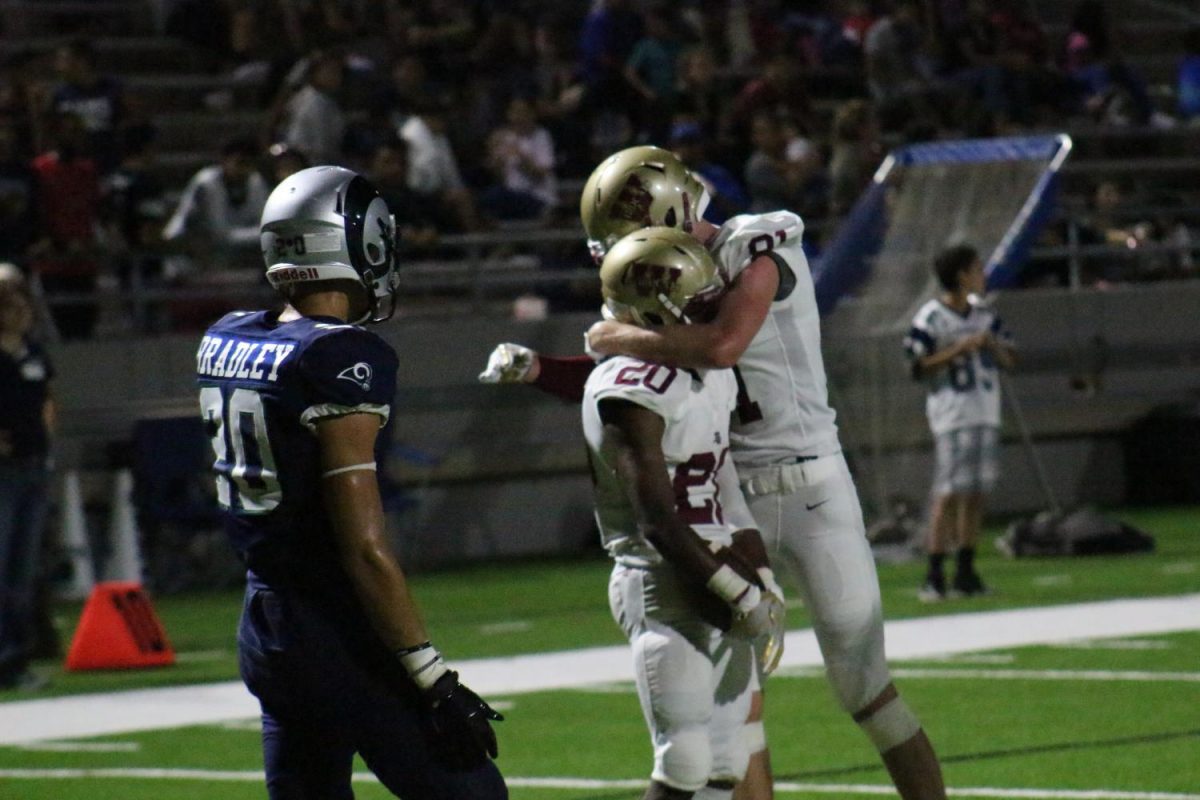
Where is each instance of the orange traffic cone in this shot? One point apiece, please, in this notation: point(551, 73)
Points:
point(119, 630)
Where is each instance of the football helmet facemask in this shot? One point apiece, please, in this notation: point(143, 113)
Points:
point(636, 188)
point(329, 223)
point(660, 276)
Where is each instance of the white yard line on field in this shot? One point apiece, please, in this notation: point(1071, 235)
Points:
point(1023, 674)
point(783, 787)
point(152, 709)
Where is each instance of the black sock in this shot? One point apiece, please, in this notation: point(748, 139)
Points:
point(935, 567)
point(965, 559)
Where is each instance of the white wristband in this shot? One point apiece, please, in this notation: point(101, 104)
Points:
point(352, 468)
point(734, 589)
point(424, 664)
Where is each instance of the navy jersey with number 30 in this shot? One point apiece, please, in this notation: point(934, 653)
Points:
point(263, 386)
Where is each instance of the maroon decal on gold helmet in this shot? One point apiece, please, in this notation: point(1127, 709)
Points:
point(633, 202)
point(651, 280)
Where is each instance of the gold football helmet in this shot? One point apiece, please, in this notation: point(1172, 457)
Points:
point(660, 276)
point(636, 188)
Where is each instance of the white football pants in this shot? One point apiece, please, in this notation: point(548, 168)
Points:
point(694, 682)
point(812, 525)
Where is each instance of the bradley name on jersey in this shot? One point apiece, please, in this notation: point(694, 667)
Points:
point(228, 357)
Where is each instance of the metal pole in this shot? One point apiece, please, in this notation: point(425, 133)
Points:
point(1035, 461)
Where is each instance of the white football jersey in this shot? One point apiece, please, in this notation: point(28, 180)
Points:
point(783, 406)
point(695, 407)
point(967, 391)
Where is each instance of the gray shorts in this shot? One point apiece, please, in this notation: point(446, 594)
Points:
point(966, 460)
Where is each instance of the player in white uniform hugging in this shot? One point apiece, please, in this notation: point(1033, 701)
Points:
point(783, 438)
point(668, 508)
point(957, 346)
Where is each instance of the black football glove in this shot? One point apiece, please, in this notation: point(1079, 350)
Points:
point(462, 723)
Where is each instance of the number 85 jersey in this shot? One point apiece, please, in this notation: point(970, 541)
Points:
point(967, 392)
point(264, 384)
point(695, 408)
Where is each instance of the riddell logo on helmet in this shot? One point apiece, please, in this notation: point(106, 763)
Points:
point(296, 274)
point(633, 202)
point(651, 280)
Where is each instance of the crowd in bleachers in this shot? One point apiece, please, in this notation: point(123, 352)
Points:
point(481, 114)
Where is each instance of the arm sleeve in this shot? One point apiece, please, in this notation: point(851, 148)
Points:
point(564, 376)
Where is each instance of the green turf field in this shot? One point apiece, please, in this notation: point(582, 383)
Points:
point(1115, 719)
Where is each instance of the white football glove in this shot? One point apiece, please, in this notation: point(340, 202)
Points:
point(508, 363)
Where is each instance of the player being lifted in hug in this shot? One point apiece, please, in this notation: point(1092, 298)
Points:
point(783, 440)
point(693, 602)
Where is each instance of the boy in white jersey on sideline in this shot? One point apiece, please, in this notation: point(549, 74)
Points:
point(783, 438)
point(669, 508)
point(957, 346)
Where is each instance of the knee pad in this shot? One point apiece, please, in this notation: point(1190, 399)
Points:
point(892, 725)
point(683, 759)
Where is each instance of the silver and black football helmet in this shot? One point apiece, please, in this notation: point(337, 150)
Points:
point(330, 223)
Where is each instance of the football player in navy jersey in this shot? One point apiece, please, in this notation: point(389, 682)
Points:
point(330, 641)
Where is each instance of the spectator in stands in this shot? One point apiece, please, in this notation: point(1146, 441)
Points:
point(409, 86)
point(1104, 224)
point(609, 32)
point(440, 32)
point(701, 97)
point(502, 56)
point(1188, 88)
point(313, 119)
point(134, 210)
point(652, 71)
point(17, 186)
point(957, 345)
point(727, 196)
point(98, 100)
point(778, 90)
point(415, 220)
point(521, 154)
point(285, 161)
point(969, 56)
point(899, 73)
point(856, 154)
point(779, 179)
point(1037, 89)
point(217, 218)
point(23, 99)
point(1111, 90)
point(606, 39)
point(433, 168)
point(26, 431)
point(560, 93)
point(68, 214)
